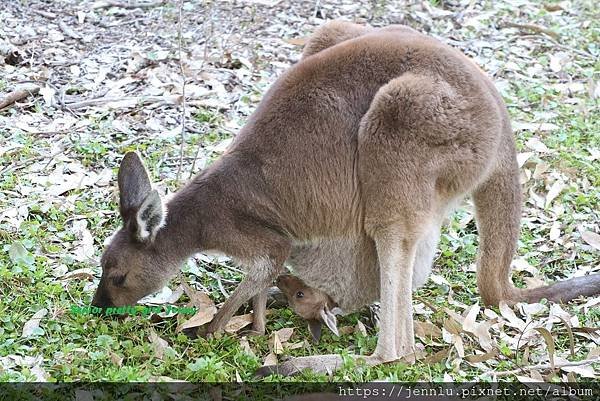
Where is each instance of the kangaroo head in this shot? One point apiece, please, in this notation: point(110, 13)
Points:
point(132, 266)
point(310, 303)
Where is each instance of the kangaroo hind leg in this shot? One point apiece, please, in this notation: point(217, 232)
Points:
point(424, 256)
point(419, 152)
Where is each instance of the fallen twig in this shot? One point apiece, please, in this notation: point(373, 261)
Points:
point(128, 100)
point(534, 28)
point(20, 93)
point(182, 72)
point(43, 13)
point(208, 19)
point(543, 366)
point(128, 5)
point(68, 31)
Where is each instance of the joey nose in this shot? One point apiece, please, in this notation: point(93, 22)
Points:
point(283, 282)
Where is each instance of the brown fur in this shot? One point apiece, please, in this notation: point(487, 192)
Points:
point(374, 137)
point(313, 305)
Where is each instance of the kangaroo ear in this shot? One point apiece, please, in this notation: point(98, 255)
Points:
point(314, 326)
point(141, 208)
point(150, 217)
point(134, 185)
point(330, 320)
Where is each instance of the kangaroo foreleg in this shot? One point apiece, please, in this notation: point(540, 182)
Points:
point(261, 274)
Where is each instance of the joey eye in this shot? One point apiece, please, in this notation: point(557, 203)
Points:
point(119, 280)
point(299, 294)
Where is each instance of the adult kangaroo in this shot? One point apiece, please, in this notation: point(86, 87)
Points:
point(374, 134)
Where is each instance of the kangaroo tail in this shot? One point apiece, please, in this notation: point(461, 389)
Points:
point(498, 213)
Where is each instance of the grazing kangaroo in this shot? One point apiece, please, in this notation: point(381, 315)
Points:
point(373, 135)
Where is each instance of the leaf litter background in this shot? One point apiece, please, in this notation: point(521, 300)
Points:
point(82, 82)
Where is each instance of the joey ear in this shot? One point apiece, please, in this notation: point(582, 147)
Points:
point(150, 217)
point(330, 320)
point(314, 326)
point(134, 185)
point(336, 310)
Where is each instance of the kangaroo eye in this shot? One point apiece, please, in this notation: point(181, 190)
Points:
point(119, 280)
point(299, 294)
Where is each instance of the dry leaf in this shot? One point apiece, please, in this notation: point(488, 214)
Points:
point(570, 333)
point(159, 298)
point(345, 330)
point(478, 358)
point(360, 328)
point(594, 353)
point(83, 274)
point(536, 375)
point(585, 371)
point(521, 264)
point(437, 357)
point(510, 316)
point(526, 126)
point(154, 379)
point(427, 330)
point(554, 191)
point(32, 324)
point(40, 374)
point(116, 359)
point(527, 379)
point(238, 322)
point(534, 282)
point(522, 158)
point(481, 330)
point(204, 305)
point(270, 359)
point(459, 345)
point(553, 7)
point(268, 3)
point(558, 60)
point(275, 344)
point(469, 321)
point(300, 344)
point(299, 41)
point(555, 231)
point(158, 344)
point(285, 334)
point(174, 297)
point(537, 145)
point(452, 326)
point(549, 343)
point(455, 316)
point(245, 345)
point(591, 238)
point(199, 299)
point(540, 169)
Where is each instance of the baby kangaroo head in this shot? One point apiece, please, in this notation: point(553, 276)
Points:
point(131, 266)
point(310, 303)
